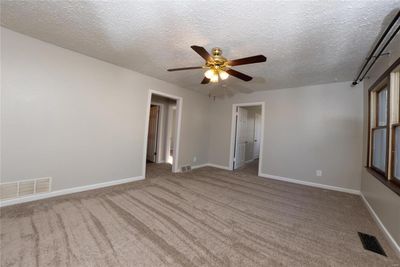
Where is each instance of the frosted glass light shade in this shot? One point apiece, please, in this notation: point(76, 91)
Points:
point(223, 75)
point(214, 78)
point(209, 74)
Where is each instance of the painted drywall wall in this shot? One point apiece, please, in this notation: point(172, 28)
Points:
point(81, 120)
point(383, 201)
point(305, 129)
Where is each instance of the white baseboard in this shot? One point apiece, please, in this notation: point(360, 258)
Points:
point(61, 192)
point(389, 237)
point(250, 160)
point(218, 166)
point(323, 186)
point(290, 180)
point(199, 166)
point(211, 165)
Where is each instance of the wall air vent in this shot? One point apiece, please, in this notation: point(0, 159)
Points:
point(24, 188)
point(8, 190)
point(43, 185)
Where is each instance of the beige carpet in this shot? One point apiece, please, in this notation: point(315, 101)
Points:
point(207, 217)
point(155, 170)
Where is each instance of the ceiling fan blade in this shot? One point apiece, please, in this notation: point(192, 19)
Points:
point(202, 52)
point(247, 60)
point(188, 68)
point(205, 80)
point(239, 75)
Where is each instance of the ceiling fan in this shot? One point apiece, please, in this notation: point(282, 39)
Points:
point(219, 67)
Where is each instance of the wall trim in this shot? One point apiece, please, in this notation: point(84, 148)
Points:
point(67, 191)
point(290, 180)
point(323, 186)
point(212, 165)
point(389, 237)
point(160, 130)
point(219, 166)
point(199, 166)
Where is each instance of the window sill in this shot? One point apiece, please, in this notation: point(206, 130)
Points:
point(390, 184)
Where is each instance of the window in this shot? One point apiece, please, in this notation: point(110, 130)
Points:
point(396, 130)
point(396, 164)
point(379, 149)
point(382, 106)
point(384, 128)
point(379, 129)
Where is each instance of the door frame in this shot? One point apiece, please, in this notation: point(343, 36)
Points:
point(179, 104)
point(169, 126)
point(254, 156)
point(233, 132)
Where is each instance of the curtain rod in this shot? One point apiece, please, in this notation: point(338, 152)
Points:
point(371, 55)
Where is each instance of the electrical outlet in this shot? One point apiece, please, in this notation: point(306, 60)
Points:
point(194, 159)
point(318, 172)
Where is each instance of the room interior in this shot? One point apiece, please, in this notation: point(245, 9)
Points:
point(157, 134)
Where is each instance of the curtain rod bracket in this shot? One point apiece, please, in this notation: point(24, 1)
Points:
point(383, 54)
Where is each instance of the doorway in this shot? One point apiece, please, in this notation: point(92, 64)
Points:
point(247, 137)
point(153, 135)
point(163, 121)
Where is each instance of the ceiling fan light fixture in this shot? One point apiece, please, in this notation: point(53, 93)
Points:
point(218, 67)
point(223, 75)
point(209, 73)
point(214, 78)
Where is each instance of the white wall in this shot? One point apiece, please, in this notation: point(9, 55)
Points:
point(306, 129)
point(81, 120)
point(383, 201)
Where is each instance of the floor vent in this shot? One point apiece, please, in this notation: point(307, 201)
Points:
point(25, 188)
point(371, 243)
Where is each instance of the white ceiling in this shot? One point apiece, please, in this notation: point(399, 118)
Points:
point(306, 42)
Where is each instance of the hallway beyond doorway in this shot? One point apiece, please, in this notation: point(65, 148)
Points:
point(250, 168)
point(246, 135)
point(162, 130)
point(156, 170)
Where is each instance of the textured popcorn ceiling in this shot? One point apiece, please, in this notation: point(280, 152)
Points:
point(306, 42)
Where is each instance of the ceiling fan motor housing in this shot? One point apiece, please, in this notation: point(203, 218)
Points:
point(219, 61)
